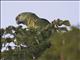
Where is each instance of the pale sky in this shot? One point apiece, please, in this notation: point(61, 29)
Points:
point(45, 9)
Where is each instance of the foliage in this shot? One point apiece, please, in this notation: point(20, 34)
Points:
point(66, 44)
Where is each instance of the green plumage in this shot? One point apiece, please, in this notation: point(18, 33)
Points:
point(31, 20)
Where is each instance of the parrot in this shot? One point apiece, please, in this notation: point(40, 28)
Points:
point(31, 20)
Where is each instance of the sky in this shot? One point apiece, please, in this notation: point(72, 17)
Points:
point(50, 10)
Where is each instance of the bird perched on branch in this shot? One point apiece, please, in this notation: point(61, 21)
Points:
point(31, 20)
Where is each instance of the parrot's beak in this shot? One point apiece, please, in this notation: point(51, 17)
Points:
point(19, 21)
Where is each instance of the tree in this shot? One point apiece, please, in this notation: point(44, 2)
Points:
point(37, 41)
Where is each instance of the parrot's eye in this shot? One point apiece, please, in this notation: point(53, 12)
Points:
point(19, 14)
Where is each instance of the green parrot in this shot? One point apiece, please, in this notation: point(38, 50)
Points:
point(31, 20)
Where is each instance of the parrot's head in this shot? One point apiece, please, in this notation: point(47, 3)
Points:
point(21, 18)
point(24, 17)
